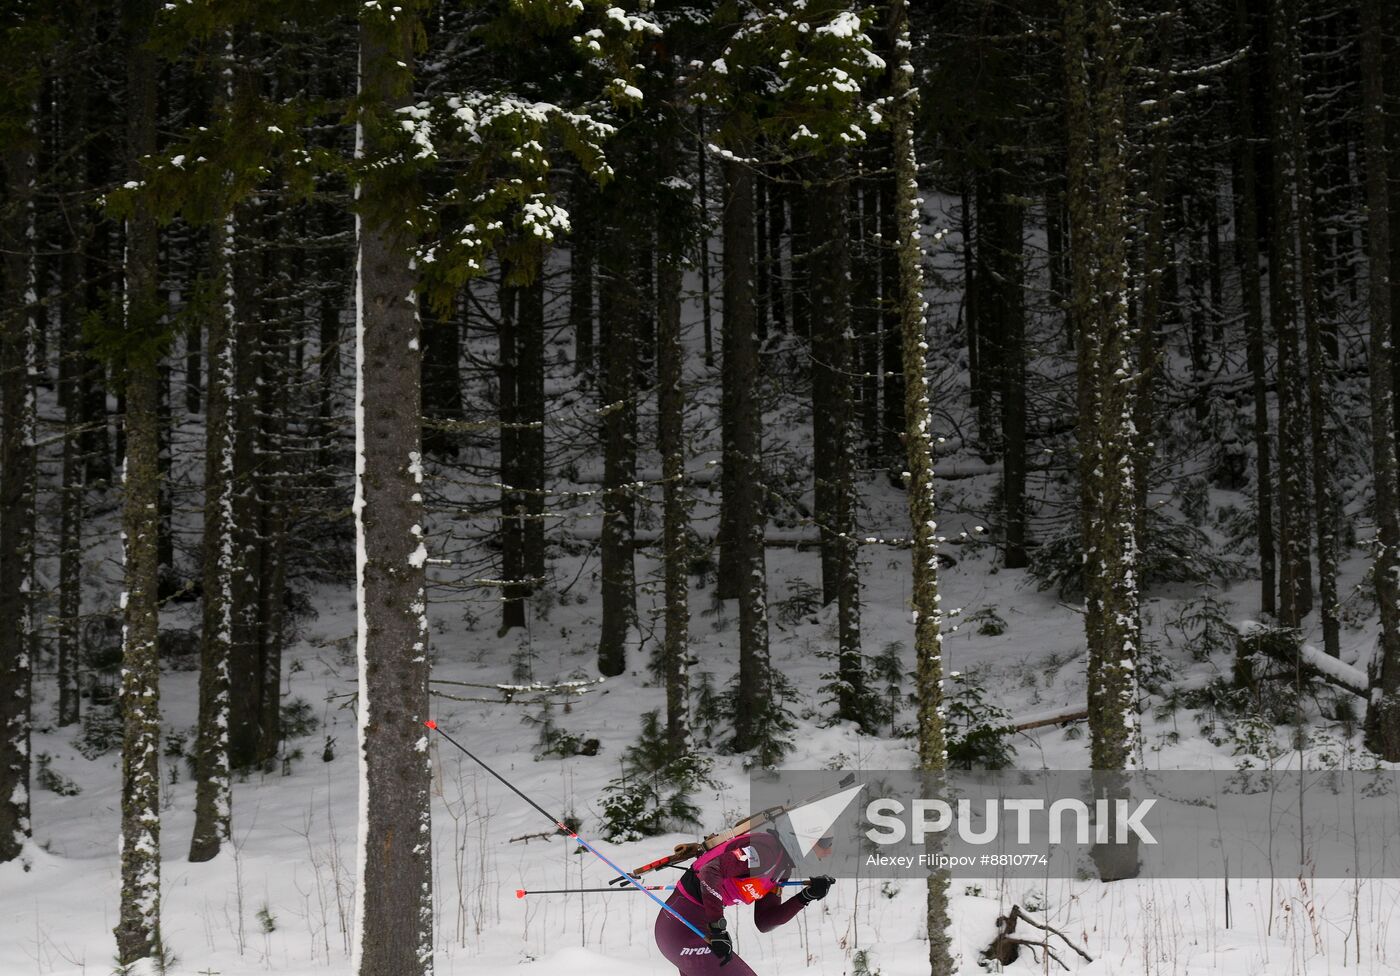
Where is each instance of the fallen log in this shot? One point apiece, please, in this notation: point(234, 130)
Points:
point(1062, 717)
point(1304, 658)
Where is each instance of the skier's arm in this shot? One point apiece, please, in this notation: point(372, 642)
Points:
point(770, 911)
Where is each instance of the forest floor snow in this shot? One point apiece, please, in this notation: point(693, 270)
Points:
point(282, 899)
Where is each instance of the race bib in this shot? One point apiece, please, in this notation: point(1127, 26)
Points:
point(752, 889)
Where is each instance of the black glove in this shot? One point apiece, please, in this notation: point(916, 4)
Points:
point(816, 888)
point(720, 942)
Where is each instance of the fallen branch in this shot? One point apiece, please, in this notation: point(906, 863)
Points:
point(542, 835)
point(1062, 717)
point(1006, 947)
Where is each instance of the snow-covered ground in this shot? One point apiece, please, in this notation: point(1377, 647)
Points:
point(282, 899)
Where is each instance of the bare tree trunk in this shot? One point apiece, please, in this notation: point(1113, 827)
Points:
point(865, 306)
point(918, 444)
point(1295, 578)
point(826, 199)
point(529, 394)
point(892, 328)
point(737, 300)
point(70, 533)
point(1254, 318)
point(18, 478)
point(138, 928)
point(703, 191)
point(833, 430)
point(620, 302)
point(328, 365)
point(1383, 715)
point(675, 505)
point(271, 485)
point(1319, 395)
point(762, 267)
point(442, 381)
point(581, 260)
point(245, 649)
point(777, 224)
point(743, 455)
point(213, 788)
point(1096, 110)
point(1003, 221)
point(394, 932)
point(513, 590)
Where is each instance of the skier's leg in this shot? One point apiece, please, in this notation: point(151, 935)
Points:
point(688, 952)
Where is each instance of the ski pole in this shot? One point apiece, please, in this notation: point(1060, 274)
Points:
point(572, 834)
point(522, 892)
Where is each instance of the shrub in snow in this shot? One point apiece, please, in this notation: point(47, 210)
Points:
point(979, 733)
point(653, 794)
point(48, 778)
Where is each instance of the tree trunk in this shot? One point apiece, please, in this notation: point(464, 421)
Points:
point(1295, 577)
point(18, 477)
point(1254, 318)
point(138, 929)
point(918, 444)
point(865, 307)
point(1383, 715)
point(442, 381)
point(1003, 220)
point(1319, 393)
point(529, 398)
point(743, 456)
point(972, 306)
point(581, 295)
point(892, 328)
point(1096, 110)
point(737, 300)
point(245, 663)
point(800, 243)
point(213, 789)
point(620, 307)
point(833, 432)
point(513, 591)
point(763, 278)
point(703, 192)
point(1193, 259)
point(778, 279)
point(675, 512)
point(827, 196)
point(70, 533)
point(328, 364)
point(394, 931)
point(272, 488)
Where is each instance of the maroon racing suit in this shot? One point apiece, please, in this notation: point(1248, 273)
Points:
point(749, 869)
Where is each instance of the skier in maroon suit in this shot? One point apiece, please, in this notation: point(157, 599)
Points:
point(749, 869)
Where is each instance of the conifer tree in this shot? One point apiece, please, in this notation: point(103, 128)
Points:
point(18, 428)
point(1383, 716)
point(918, 445)
point(1096, 110)
point(138, 929)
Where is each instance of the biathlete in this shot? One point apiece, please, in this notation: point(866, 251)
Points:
point(749, 869)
